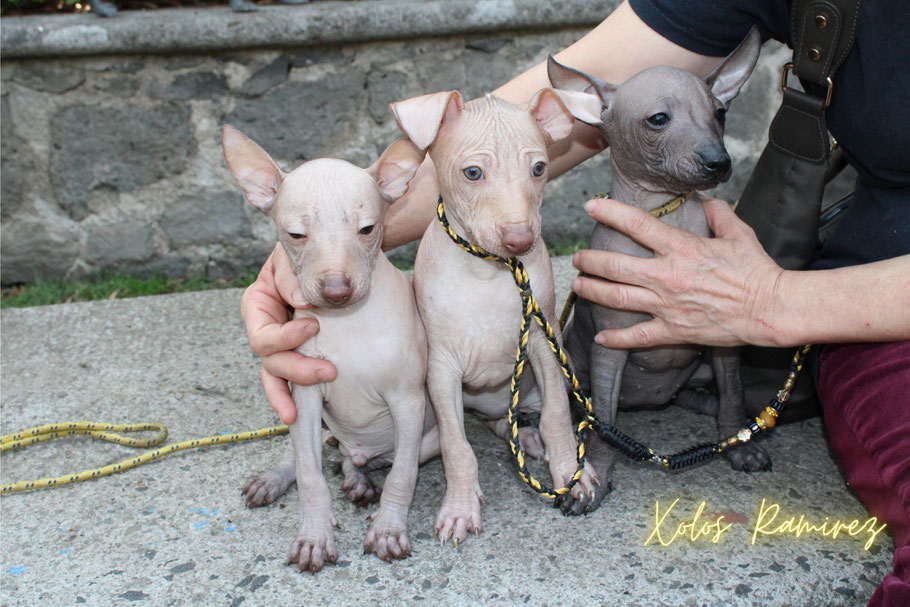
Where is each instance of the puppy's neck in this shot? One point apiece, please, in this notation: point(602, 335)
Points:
point(643, 197)
point(453, 216)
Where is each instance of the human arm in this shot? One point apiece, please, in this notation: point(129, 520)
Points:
point(727, 291)
point(273, 334)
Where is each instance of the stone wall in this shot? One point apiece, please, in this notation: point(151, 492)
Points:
point(114, 161)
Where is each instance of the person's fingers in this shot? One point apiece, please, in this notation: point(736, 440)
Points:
point(268, 337)
point(618, 267)
point(641, 335)
point(278, 394)
point(286, 280)
point(298, 368)
point(260, 303)
point(616, 296)
point(635, 223)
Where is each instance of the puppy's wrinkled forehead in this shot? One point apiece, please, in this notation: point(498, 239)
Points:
point(494, 124)
point(664, 83)
point(326, 188)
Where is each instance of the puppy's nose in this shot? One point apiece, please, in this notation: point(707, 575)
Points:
point(336, 289)
point(517, 238)
point(714, 161)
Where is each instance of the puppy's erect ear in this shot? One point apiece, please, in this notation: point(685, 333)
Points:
point(395, 168)
point(568, 78)
point(253, 169)
point(728, 77)
point(419, 118)
point(556, 111)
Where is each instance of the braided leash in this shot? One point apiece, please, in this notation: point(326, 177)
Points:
point(608, 433)
point(107, 432)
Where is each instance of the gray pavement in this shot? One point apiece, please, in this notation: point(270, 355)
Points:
point(175, 532)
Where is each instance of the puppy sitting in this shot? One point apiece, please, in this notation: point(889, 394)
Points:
point(665, 129)
point(491, 160)
point(329, 216)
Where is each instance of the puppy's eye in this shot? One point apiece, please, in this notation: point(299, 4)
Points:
point(297, 236)
point(721, 115)
point(367, 230)
point(473, 173)
point(658, 120)
point(538, 169)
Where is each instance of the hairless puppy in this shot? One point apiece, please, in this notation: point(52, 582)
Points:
point(491, 161)
point(665, 129)
point(329, 217)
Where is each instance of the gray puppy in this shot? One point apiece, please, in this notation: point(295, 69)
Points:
point(665, 128)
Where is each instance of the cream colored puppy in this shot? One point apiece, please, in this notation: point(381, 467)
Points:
point(491, 160)
point(329, 217)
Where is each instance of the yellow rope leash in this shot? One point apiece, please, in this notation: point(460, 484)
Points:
point(107, 432)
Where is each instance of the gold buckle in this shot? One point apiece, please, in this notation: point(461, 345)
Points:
point(785, 75)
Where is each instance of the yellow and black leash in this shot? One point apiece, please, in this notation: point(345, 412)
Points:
point(108, 432)
point(609, 433)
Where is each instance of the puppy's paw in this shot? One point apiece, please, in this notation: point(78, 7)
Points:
point(584, 498)
point(750, 457)
point(562, 474)
point(264, 488)
point(360, 489)
point(459, 515)
point(314, 546)
point(531, 442)
point(574, 506)
point(387, 537)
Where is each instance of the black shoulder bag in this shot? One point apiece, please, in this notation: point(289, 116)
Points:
point(782, 199)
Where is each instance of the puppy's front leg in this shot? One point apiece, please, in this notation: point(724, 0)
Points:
point(556, 420)
point(460, 511)
point(606, 368)
point(388, 535)
point(731, 412)
point(315, 543)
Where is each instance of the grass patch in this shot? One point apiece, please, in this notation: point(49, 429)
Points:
point(110, 286)
point(567, 247)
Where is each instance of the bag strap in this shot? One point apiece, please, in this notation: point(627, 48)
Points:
point(823, 32)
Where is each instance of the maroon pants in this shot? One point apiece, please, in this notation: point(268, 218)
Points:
point(865, 394)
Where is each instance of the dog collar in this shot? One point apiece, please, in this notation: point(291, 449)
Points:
point(664, 209)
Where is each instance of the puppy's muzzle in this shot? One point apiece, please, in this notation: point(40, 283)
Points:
point(517, 239)
point(336, 289)
point(714, 163)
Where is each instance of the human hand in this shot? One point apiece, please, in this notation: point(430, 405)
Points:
point(274, 334)
point(721, 291)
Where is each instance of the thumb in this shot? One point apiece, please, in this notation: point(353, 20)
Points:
point(723, 221)
point(286, 280)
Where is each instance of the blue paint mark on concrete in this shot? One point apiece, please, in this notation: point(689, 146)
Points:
point(200, 525)
point(231, 528)
point(226, 432)
point(203, 511)
point(16, 570)
point(64, 551)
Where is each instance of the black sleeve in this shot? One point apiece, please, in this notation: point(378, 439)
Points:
point(714, 27)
